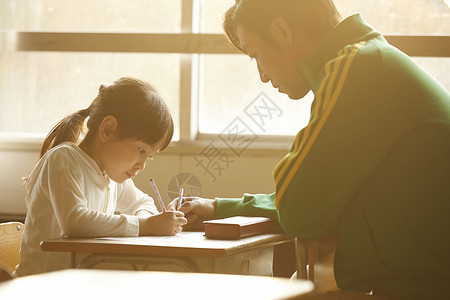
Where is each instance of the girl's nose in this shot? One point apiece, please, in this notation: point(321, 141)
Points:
point(141, 165)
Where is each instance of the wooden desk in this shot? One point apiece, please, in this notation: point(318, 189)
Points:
point(101, 284)
point(186, 252)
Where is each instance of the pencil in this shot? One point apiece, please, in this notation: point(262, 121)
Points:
point(158, 196)
point(180, 198)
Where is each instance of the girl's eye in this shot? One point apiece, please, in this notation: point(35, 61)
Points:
point(142, 152)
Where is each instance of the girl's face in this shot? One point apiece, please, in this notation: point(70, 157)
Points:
point(124, 159)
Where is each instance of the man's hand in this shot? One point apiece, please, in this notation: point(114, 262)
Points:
point(196, 210)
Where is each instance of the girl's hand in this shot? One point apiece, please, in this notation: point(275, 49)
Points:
point(165, 223)
point(196, 210)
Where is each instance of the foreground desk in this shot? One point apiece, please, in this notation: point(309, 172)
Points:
point(185, 252)
point(102, 284)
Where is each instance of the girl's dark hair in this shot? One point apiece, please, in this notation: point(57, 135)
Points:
point(315, 18)
point(139, 109)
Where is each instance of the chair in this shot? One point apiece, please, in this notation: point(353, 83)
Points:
point(315, 262)
point(10, 239)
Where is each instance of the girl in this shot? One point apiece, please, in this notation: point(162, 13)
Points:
point(85, 189)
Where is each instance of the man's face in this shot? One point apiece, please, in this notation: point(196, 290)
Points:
point(275, 63)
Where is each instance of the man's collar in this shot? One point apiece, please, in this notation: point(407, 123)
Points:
point(350, 31)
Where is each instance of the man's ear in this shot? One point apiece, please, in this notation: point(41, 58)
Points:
point(280, 32)
point(108, 128)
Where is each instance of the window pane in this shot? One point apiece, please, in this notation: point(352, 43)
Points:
point(211, 15)
point(40, 88)
point(230, 89)
point(388, 16)
point(91, 15)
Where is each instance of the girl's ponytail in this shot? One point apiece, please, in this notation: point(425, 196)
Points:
point(68, 129)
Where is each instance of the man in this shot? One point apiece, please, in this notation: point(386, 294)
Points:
point(373, 164)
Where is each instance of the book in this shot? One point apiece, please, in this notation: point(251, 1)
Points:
point(236, 227)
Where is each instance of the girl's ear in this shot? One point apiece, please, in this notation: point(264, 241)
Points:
point(108, 128)
point(280, 32)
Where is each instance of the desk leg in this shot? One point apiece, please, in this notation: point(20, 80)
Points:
point(301, 259)
point(72, 258)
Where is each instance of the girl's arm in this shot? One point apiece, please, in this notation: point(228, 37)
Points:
point(67, 184)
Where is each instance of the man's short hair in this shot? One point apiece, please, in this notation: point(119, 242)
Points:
point(315, 18)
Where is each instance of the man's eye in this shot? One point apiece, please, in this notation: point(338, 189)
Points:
point(150, 158)
point(141, 151)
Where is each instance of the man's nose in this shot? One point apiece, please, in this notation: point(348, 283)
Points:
point(264, 78)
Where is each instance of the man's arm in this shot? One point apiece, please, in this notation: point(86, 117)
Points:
point(199, 209)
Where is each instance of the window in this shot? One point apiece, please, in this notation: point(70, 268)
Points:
point(55, 54)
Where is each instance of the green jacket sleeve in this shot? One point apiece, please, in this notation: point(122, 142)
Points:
point(250, 205)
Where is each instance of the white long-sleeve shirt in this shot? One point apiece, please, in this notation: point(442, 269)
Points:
point(68, 195)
